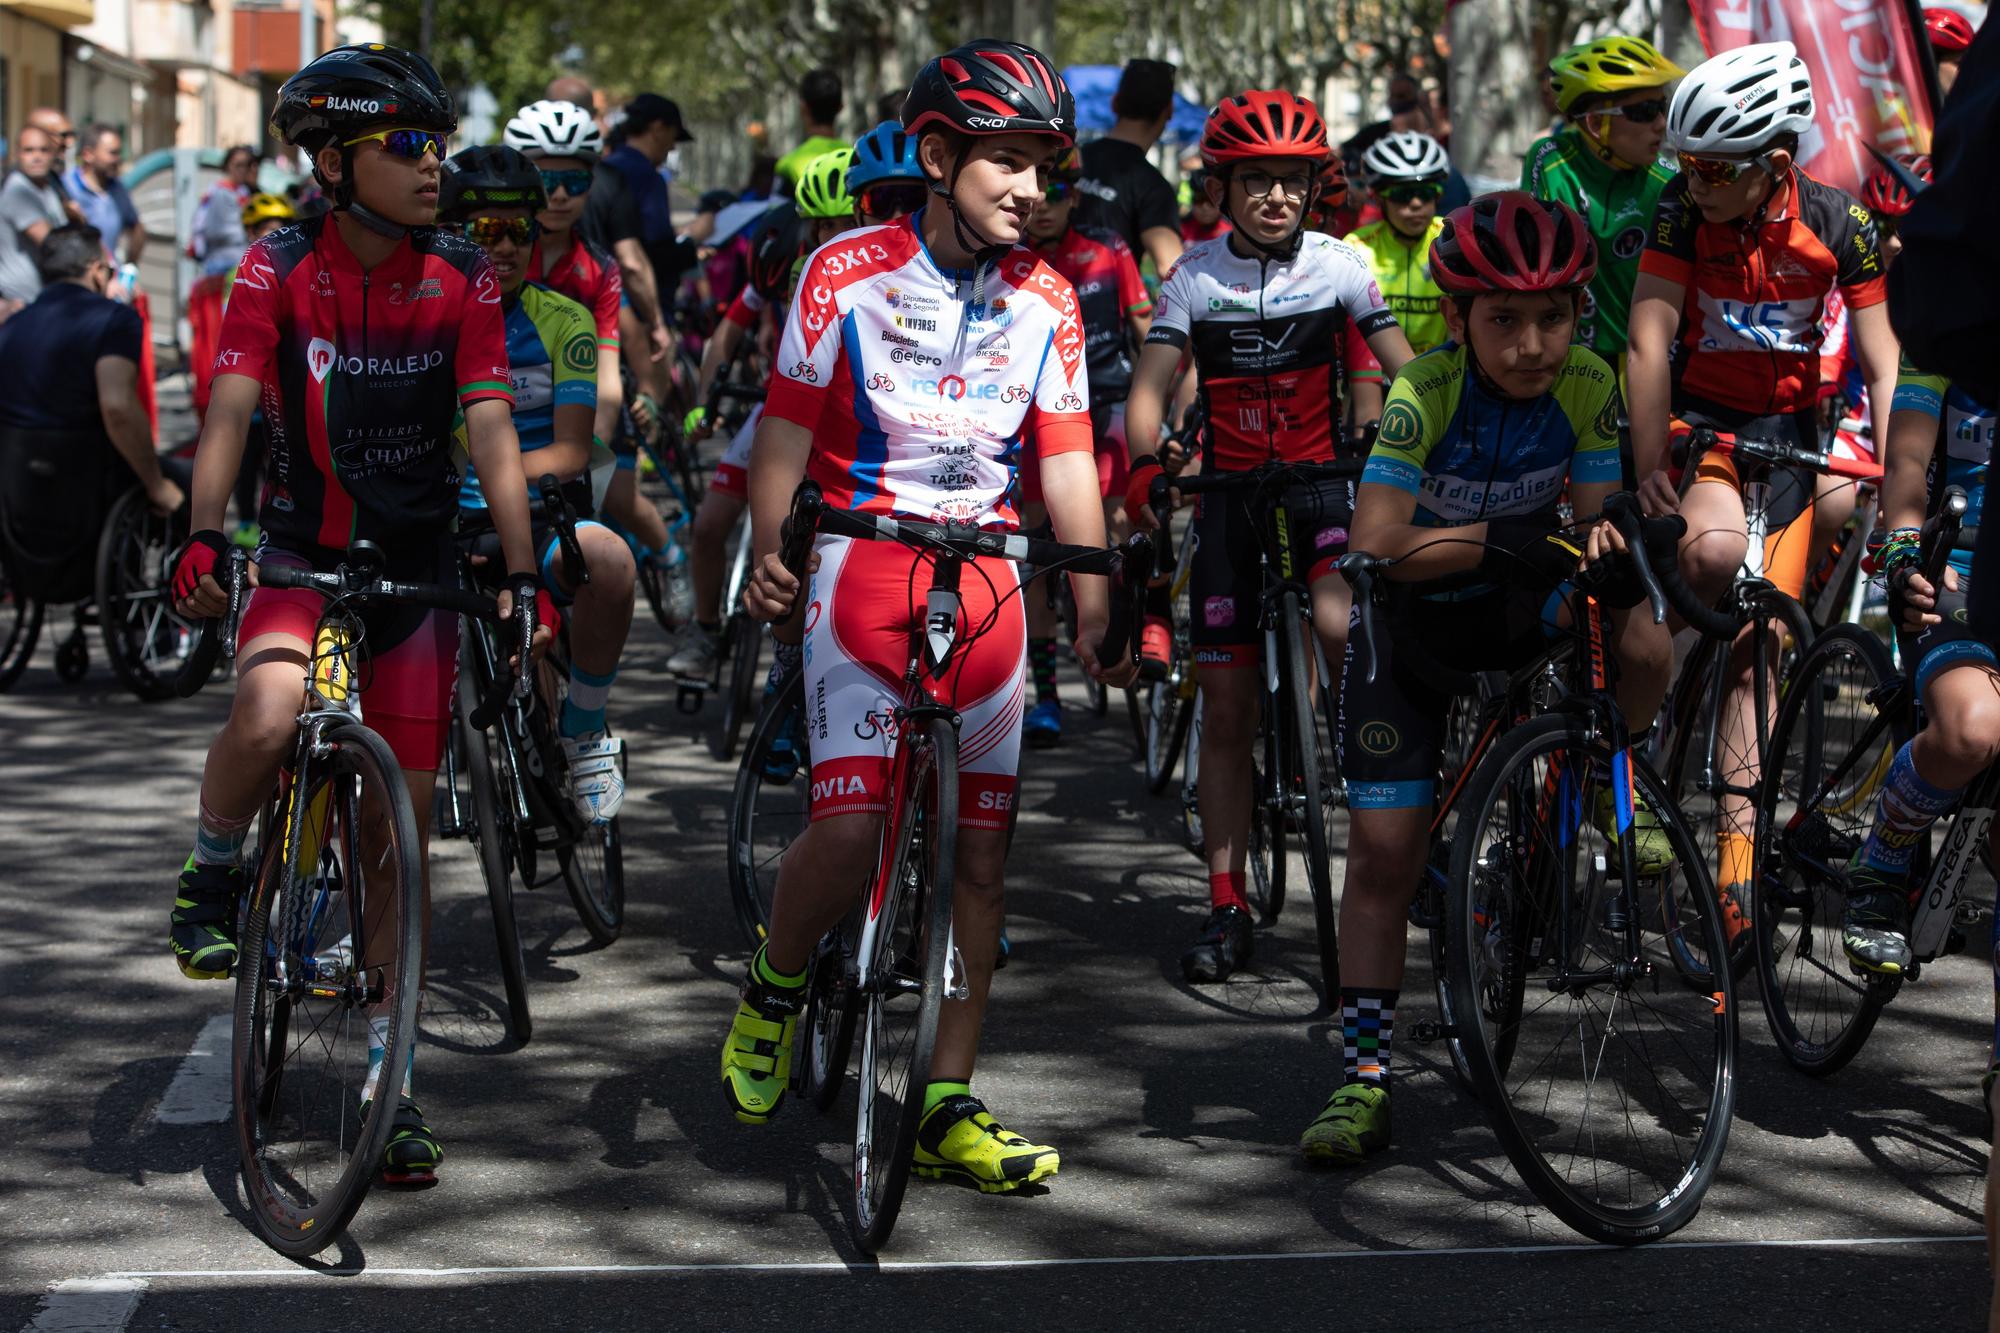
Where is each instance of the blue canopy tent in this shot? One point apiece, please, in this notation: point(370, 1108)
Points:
point(1093, 85)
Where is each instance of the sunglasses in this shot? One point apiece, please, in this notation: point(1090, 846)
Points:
point(412, 144)
point(1410, 194)
point(1885, 226)
point(490, 231)
point(894, 199)
point(1257, 184)
point(1644, 112)
point(1058, 191)
point(1716, 171)
point(572, 183)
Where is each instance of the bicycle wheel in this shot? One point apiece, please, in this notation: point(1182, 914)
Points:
point(1608, 1080)
point(903, 978)
point(827, 1026)
point(1191, 833)
point(1169, 710)
point(743, 643)
point(589, 856)
point(491, 834)
point(771, 806)
point(315, 968)
point(1303, 785)
point(1829, 755)
point(20, 622)
point(144, 639)
point(1714, 780)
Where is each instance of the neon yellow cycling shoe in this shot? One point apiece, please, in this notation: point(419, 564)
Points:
point(757, 1058)
point(1353, 1127)
point(958, 1140)
point(1650, 848)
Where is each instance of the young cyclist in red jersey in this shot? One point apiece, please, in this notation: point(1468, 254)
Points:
point(1265, 310)
point(1116, 311)
point(989, 118)
point(316, 333)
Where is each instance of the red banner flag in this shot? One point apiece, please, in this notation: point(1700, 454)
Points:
point(1868, 84)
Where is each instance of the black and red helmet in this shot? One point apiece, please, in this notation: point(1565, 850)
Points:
point(1884, 191)
point(1263, 123)
point(988, 86)
point(353, 89)
point(1950, 32)
point(779, 240)
point(1512, 242)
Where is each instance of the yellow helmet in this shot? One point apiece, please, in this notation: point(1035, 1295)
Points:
point(265, 207)
point(1608, 66)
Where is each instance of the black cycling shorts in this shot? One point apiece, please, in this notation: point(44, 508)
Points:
point(1952, 642)
point(1225, 584)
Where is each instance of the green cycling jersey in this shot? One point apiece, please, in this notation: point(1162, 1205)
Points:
point(1617, 206)
point(1402, 269)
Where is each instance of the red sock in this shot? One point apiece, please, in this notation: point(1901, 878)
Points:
point(1225, 889)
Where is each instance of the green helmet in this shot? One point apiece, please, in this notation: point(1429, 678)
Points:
point(1607, 67)
point(822, 189)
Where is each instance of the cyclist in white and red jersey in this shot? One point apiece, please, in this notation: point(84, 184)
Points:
point(1264, 308)
point(930, 434)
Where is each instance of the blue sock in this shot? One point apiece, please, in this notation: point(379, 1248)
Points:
point(583, 710)
point(1904, 814)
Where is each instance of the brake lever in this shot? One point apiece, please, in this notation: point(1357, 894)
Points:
point(1622, 508)
point(1359, 569)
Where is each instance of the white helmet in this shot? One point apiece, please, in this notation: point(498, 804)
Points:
point(1406, 155)
point(1734, 104)
point(554, 129)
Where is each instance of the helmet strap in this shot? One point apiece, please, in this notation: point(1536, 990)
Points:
point(983, 251)
point(1282, 251)
point(1599, 146)
point(345, 202)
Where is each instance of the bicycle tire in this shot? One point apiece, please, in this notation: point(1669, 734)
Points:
point(781, 813)
point(20, 622)
point(1301, 719)
point(301, 1227)
point(143, 638)
point(1191, 832)
point(1514, 906)
point(1798, 926)
point(652, 584)
point(1167, 718)
point(918, 893)
point(743, 640)
point(589, 857)
point(1692, 745)
point(490, 835)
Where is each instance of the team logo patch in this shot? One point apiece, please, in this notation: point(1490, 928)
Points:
point(1379, 737)
point(1400, 426)
point(1629, 242)
point(1218, 612)
point(319, 358)
point(580, 353)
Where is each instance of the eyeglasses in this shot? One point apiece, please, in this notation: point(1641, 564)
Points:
point(572, 183)
point(412, 144)
point(1644, 112)
point(1058, 191)
point(894, 199)
point(1257, 184)
point(490, 231)
point(1714, 170)
point(1410, 194)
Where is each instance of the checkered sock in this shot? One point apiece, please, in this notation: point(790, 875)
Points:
point(1367, 1018)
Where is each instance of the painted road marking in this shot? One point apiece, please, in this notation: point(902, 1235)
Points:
point(88, 1305)
point(199, 1094)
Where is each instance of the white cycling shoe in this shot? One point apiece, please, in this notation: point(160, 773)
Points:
point(596, 775)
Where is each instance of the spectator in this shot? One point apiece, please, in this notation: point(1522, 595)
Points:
point(1408, 110)
point(94, 186)
point(819, 106)
point(59, 128)
point(1122, 192)
point(69, 362)
point(889, 106)
point(611, 222)
point(31, 206)
point(651, 129)
point(218, 240)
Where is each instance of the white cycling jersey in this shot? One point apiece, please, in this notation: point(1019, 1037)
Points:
point(919, 400)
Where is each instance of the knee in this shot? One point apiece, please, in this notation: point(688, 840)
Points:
point(843, 842)
point(264, 720)
point(612, 571)
point(1226, 719)
point(1972, 738)
point(1710, 560)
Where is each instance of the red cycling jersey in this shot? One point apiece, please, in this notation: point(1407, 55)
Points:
point(589, 277)
point(1756, 290)
point(363, 372)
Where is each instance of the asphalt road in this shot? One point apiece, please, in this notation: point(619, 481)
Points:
point(594, 1178)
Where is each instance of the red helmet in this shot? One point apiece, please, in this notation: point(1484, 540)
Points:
point(1885, 194)
point(1512, 242)
point(1332, 184)
point(1263, 123)
point(989, 86)
point(1948, 29)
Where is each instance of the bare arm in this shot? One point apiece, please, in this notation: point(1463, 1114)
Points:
point(1384, 525)
point(1876, 348)
point(1069, 489)
point(610, 394)
point(719, 351)
point(36, 231)
point(1391, 348)
point(568, 455)
point(232, 400)
point(1146, 405)
point(131, 431)
point(1164, 245)
point(496, 457)
point(1906, 463)
point(135, 242)
point(1656, 317)
point(1364, 400)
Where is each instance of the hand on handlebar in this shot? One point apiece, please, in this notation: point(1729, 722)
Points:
point(1914, 596)
point(164, 496)
point(772, 591)
point(1657, 494)
point(546, 619)
point(1090, 632)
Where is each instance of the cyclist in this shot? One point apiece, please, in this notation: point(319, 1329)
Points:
point(1406, 172)
point(1937, 434)
point(1203, 220)
point(1116, 310)
point(1264, 309)
point(1745, 248)
point(492, 196)
point(1480, 437)
point(1950, 34)
point(291, 338)
point(989, 119)
point(1604, 163)
point(564, 143)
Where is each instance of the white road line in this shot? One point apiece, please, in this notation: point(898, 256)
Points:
point(199, 1094)
point(88, 1305)
point(941, 1265)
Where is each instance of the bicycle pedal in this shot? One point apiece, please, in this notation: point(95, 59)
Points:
point(689, 697)
point(1429, 1031)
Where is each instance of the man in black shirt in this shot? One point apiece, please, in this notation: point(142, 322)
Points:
point(1123, 192)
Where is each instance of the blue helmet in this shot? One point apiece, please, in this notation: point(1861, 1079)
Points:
point(884, 153)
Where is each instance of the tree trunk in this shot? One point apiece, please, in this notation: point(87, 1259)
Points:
point(1496, 110)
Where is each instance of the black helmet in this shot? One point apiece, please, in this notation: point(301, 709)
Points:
point(989, 86)
point(352, 89)
point(779, 240)
point(489, 177)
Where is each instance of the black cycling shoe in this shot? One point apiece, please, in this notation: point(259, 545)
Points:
point(1877, 915)
point(1225, 944)
point(202, 928)
point(413, 1154)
